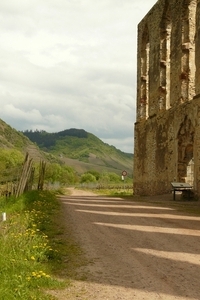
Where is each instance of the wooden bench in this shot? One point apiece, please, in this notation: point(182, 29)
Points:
point(181, 186)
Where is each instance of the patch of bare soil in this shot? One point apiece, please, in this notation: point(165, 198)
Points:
point(135, 249)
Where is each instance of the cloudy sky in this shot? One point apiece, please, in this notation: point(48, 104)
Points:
point(71, 64)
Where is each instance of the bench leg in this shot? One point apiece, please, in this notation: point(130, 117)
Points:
point(174, 194)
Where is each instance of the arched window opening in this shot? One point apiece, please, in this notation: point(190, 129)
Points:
point(188, 68)
point(144, 80)
point(165, 51)
point(190, 172)
point(185, 152)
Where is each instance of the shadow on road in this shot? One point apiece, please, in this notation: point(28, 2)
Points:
point(137, 245)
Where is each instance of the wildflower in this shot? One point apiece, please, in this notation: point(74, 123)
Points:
point(32, 257)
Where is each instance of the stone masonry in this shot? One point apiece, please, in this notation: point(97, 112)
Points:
point(167, 128)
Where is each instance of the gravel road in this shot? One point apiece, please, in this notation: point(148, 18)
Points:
point(136, 250)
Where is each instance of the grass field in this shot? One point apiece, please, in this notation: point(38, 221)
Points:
point(29, 254)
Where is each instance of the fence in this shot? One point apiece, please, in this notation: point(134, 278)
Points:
point(25, 180)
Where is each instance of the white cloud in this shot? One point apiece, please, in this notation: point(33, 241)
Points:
point(70, 64)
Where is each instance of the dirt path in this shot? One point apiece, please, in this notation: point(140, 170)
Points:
point(136, 250)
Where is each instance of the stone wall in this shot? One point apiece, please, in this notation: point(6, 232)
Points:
point(167, 133)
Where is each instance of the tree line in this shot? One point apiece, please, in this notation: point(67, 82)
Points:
point(11, 165)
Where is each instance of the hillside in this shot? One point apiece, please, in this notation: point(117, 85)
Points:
point(82, 150)
point(10, 138)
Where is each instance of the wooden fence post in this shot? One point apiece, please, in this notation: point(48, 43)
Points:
point(26, 171)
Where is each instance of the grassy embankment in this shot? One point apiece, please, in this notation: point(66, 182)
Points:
point(112, 190)
point(115, 192)
point(30, 255)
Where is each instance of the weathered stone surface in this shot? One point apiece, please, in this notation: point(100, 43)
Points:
point(167, 129)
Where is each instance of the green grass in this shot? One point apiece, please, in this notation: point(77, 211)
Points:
point(29, 253)
point(114, 192)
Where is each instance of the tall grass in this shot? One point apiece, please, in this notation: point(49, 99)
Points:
point(115, 192)
point(26, 253)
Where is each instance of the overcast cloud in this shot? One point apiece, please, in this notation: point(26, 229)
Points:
point(71, 64)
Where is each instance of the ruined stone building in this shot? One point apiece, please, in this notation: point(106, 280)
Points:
point(167, 128)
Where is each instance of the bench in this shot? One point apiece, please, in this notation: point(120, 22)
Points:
point(181, 186)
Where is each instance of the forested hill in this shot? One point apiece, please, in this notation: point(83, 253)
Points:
point(47, 140)
point(82, 150)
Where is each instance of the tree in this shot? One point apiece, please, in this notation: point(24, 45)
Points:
point(87, 178)
point(95, 173)
point(53, 173)
point(109, 177)
point(62, 174)
point(10, 164)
